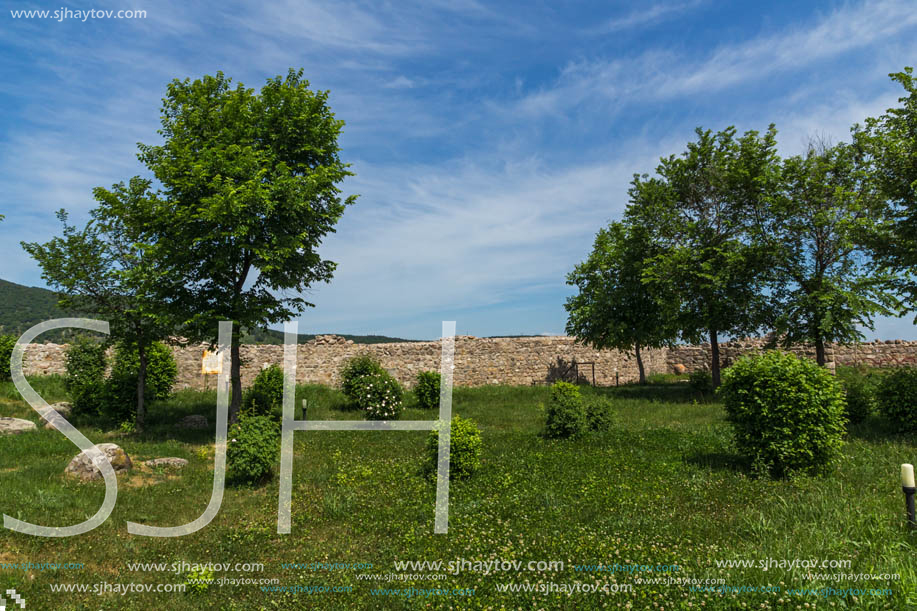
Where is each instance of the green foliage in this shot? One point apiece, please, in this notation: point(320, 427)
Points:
point(120, 397)
point(105, 270)
point(465, 447)
point(86, 363)
point(615, 308)
point(599, 417)
point(265, 396)
point(22, 307)
point(700, 208)
point(897, 397)
point(379, 396)
point(861, 388)
point(253, 449)
point(250, 190)
point(198, 579)
point(7, 342)
point(565, 416)
point(890, 141)
point(700, 381)
point(427, 389)
point(355, 368)
point(787, 413)
point(818, 224)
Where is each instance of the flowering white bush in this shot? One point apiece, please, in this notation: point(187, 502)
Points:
point(379, 396)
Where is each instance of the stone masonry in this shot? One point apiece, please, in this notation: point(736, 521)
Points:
point(482, 361)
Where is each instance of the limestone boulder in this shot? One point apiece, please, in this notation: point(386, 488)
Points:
point(168, 462)
point(14, 426)
point(83, 466)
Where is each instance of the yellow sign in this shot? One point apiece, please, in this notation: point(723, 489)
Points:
point(212, 363)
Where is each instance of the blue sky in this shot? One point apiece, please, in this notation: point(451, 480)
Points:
point(490, 141)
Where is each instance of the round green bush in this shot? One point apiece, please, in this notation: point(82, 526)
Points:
point(120, 396)
point(354, 369)
point(252, 450)
point(860, 387)
point(897, 398)
point(427, 389)
point(565, 416)
point(85, 367)
point(700, 381)
point(6, 352)
point(787, 413)
point(265, 396)
point(379, 396)
point(464, 449)
point(598, 413)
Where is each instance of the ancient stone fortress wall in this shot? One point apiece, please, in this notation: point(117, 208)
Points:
point(481, 361)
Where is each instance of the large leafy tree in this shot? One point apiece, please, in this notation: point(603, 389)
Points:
point(818, 223)
point(249, 189)
point(614, 308)
point(891, 141)
point(102, 270)
point(702, 204)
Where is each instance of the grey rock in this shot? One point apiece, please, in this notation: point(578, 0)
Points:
point(82, 465)
point(14, 426)
point(172, 462)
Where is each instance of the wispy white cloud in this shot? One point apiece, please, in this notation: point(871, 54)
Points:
point(643, 16)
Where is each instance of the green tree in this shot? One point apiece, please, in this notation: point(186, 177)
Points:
point(249, 189)
point(614, 307)
point(891, 141)
point(818, 223)
point(102, 270)
point(701, 205)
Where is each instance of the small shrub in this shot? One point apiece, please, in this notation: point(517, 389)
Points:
point(566, 416)
point(427, 389)
point(897, 398)
point(6, 352)
point(598, 413)
point(85, 366)
point(354, 369)
point(464, 449)
point(265, 396)
point(198, 579)
point(861, 389)
point(253, 449)
point(379, 396)
point(120, 396)
point(700, 381)
point(787, 413)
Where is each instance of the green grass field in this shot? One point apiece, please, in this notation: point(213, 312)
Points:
point(662, 487)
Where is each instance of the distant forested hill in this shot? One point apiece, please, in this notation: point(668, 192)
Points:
point(24, 306)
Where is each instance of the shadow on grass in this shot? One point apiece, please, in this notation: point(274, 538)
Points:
point(677, 392)
point(719, 461)
point(878, 429)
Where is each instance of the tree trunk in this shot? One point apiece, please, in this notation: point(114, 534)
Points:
point(714, 359)
point(640, 364)
point(820, 350)
point(235, 375)
point(141, 384)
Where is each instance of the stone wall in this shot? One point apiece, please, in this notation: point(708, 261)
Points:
point(889, 353)
point(480, 361)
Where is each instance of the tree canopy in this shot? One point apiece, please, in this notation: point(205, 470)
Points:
point(614, 308)
point(249, 190)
